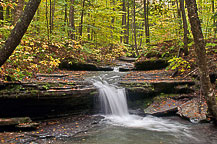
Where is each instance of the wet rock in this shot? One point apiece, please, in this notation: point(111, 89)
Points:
point(151, 64)
point(193, 110)
point(43, 99)
point(163, 107)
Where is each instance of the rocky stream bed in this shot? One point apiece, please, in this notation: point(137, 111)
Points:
point(61, 105)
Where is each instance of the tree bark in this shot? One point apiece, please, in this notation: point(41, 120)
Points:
point(47, 21)
point(207, 90)
point(1, 13)
point(134, 27)
point(185, 27)
point(146, 21)
point(52, 15)
point(19, 30)
point(213, 11)
point(123, 38)
point(72, 20)
point(66, 16)
point(128, 22)
point(8, 13)
point(82, 19)
point(18, 10)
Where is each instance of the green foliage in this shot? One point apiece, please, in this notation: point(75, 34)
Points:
point(179, 63)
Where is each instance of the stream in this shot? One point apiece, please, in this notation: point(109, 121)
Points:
point(117, 124)
point(121, 127)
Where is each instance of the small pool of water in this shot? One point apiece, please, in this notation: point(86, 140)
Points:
point(147, 130)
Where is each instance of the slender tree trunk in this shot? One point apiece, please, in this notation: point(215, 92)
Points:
point(146, 21)
point(213, 11)
point(19, 30)
point(200, 50)
point(82, 19)
point(8, 13)
point(18, 10)
point(88, 28)
point(66, 16)
point(128, 22)
point(1, 16)
point(179, 14)
point(134, 25)
point(47, 22)
point(185, 27)
point(123, 38)
point(72, 20)
point(52, 15)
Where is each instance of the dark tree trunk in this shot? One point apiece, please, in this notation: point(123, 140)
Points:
point(200, 50)
point(1, 13)
point(128, 22)
point(72, 20)
point(123, 38)
point(8, 14)
point(50, 18)
point(185, 27)
point(18, 10)
point(47, 22)
point(52, 14)
point(19, 30)
point(213, 11)
point(134, 27)
point(82, 19)
point(146, 21)
point(66, 16)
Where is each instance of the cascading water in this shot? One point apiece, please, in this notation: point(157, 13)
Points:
point(114, 105)
point(113, 100)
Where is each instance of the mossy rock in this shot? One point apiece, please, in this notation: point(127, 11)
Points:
point(151, 64)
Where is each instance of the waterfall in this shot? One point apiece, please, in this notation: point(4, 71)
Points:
point(113, 103)
point(113, 100)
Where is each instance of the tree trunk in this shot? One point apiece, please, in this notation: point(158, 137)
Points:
point(146, 21)
point(72, 20)
point(200, 50)
point(52, 14)
point(66, 16)
point(134, 27)
point(19, 30)
point(47, 22)
point(213, 11)
point(185, 27)
point(128, 22)
point(18, 10)
point(82, 19)
point(8, 13)
point(123, 38)
point(1, 13)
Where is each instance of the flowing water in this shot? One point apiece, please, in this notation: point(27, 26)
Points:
point(121, 127)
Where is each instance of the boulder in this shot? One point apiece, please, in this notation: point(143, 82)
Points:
point(194, 110)
point(163, 107)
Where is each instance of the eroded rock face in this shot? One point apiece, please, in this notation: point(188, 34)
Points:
point(151, 64)
point(42, 99)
